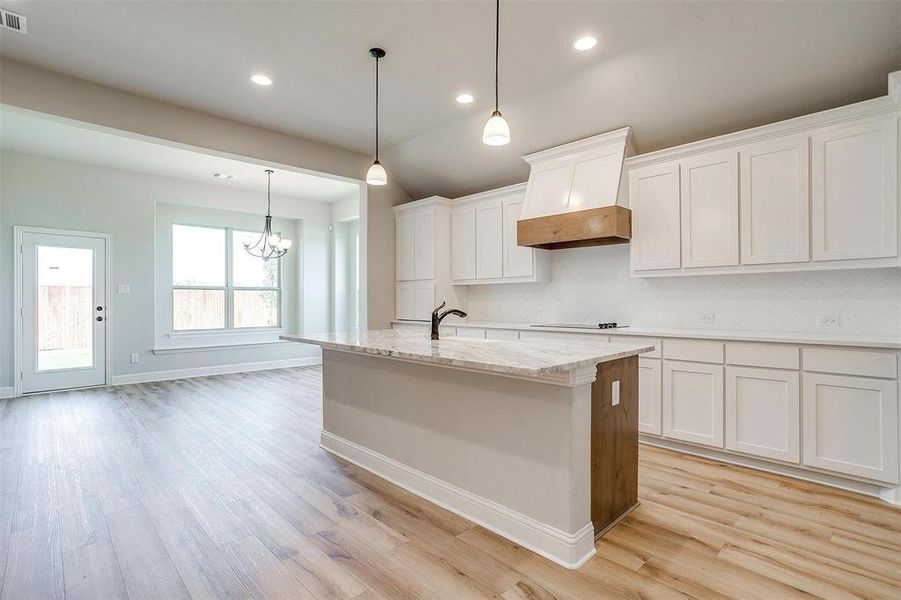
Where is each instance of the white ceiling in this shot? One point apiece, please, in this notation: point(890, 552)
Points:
point(674, 71)
point(36, 134)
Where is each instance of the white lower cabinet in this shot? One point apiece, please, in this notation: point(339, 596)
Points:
point(649, 396)
point(763, 408)
point(693, 402)
point(851, 425)
point(404, 299)
point(423, 299)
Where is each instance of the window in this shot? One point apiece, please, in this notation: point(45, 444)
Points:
point(216, 284)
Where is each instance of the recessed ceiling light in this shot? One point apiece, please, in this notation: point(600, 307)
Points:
point(221, 176)
point(465, 98)
point(585, 43)
point(260, 79)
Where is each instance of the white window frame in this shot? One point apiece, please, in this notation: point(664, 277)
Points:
point(228, 335)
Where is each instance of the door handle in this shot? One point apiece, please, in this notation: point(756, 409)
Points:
point(99, 318)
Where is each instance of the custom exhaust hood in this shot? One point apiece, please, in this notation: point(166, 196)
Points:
point(572, 198)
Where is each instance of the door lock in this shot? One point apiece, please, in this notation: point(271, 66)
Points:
point(99, 318)
point(99, 308)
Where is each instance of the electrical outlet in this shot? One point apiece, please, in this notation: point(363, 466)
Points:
point(135, 358)
point(535, 314)
point(615, 393)
point(707, 317)
point(123, 288)
point(829, 320)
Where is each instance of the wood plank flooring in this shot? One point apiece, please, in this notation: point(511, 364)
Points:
point(216, 488)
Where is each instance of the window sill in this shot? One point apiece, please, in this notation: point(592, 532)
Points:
point(210, 348)
point(199, 341)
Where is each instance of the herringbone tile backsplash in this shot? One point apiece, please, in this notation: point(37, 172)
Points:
point(593, 284)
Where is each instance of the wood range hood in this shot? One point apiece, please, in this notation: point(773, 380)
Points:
point(573, 195)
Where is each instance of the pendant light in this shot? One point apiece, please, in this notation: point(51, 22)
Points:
point(376, 174)
point(269, 245)
point(496, 131)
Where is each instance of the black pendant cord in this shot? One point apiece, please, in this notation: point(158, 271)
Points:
point(269, 193)
point(376, 109)
point(497, 46)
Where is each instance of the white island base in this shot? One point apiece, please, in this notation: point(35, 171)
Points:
point(509, 451)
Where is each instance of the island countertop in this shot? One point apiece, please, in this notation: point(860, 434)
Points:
point(529, 358)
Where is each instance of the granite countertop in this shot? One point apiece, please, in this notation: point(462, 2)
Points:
point(526, 358)
point(827, 339)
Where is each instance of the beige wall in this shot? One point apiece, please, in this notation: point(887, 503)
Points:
point(37, 89)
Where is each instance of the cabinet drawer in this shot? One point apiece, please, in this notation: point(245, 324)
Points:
point(775, 356)
point(633, 339)
point(501, 334)
point(558, 335)
point(851, 362)
point(693, 350)
point(471, 332)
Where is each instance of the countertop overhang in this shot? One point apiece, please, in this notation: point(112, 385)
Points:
point(523, 358)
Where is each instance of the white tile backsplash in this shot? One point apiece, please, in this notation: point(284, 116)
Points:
point(593, 284)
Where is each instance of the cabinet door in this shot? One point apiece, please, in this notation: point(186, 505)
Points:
point(463, 234)
point(851, 425)
point(404, 300)
point(489, 242)
point(649, 396)
point(654, 198)
point(710, 210)
point(519, 261)
point(775, 201)
point(763, 412)
point(424, 245)
point(854, 202)
point(693, 402)
point(423, 299)
point(404, 247)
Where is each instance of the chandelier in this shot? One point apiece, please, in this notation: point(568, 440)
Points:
point(269, 245)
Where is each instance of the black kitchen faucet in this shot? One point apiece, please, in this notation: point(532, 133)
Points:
point(437, 318)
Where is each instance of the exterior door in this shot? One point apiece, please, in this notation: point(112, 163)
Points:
point(63, 311)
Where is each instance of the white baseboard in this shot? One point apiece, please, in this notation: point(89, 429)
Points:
point(888, 494)
point(565, 549)
point(7, 392)
point(151, 376)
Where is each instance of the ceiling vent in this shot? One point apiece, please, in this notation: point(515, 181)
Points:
point(10, 20)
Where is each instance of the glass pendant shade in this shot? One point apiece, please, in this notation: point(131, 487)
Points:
point(496, 132)
point(376, 175)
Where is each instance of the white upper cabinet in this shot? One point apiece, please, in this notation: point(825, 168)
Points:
point(484, 240)
point(855, 191)
point(816, 192)
point(489, 241)
point(519, 261)
point(464, 242)
point(404, 248)
point(654, 196)
point(424, 245)
point(709, 210)
point(775, 201)
point(423, 258)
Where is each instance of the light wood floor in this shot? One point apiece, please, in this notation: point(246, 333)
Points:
point(216, 488)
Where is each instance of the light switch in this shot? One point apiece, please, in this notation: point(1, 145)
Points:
point(123, 288)
point(615, 393)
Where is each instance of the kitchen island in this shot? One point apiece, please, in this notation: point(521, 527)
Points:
point(535, 440)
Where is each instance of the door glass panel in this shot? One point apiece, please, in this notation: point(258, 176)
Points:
point(65, 308)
